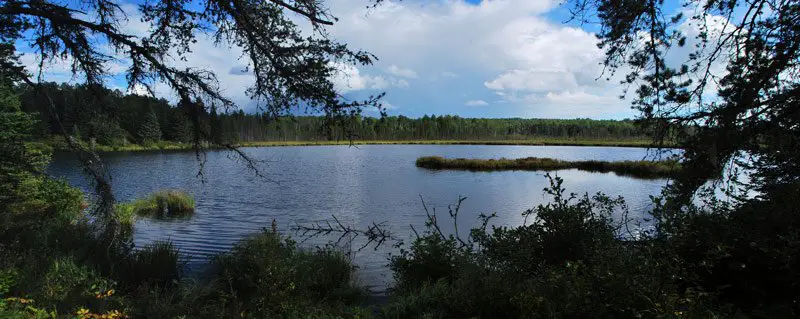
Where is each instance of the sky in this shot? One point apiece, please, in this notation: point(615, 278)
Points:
point(496, 58)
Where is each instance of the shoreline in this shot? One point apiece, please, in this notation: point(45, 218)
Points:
point(173, 146)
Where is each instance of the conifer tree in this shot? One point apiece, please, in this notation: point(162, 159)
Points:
point(150, 130)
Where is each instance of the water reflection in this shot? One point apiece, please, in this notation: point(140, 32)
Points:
point(360, 185)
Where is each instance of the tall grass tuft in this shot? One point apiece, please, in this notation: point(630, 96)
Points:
point(158, 264)
point(165, 204)
point(270, 275)
point(639, 169)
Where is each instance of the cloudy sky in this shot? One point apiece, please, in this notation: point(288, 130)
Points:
point(497, 58)
point(502, 58)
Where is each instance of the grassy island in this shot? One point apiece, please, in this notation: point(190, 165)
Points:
point(639, 169)
point(165, 204)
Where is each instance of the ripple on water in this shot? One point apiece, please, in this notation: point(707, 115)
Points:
point(371, 183)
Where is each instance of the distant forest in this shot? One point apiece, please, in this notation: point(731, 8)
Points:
point(111, 117)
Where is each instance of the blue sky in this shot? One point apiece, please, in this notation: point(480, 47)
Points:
point(499, 58)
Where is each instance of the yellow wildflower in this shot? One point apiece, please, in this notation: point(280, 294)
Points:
point(113, 314)
point(19, 300)
point(83, 313)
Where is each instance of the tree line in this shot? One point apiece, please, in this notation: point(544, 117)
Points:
point(111, 117)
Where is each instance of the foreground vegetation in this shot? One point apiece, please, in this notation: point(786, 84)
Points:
point(571, 259)
point(640, 169)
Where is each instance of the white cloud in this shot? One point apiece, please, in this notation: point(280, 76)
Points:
point(506, 50)
point(349, 78)
point(398, 71)
point(555, 68)
point(60, 70)
point(377, 82)
point(534, 80)
point(579, 98)
point(138, 90)
point(476, 103)
point(507, 47)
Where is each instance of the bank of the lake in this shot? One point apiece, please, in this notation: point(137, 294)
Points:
point(60, 145)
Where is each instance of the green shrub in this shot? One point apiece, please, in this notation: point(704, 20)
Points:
point(44, 195)
point(45, 215)
point(67, 283)
point(567, 261)
point(747, 256)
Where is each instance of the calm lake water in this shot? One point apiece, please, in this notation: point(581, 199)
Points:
point(359, 185)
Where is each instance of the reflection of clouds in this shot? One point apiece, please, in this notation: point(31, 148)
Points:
point(371, 183)
point(527, 192)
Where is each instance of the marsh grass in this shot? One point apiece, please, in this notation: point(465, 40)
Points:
point(639, 169)
point(165, 204)
point(159, 264)
point(267, 274)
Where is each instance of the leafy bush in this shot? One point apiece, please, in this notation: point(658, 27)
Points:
point(44, 215)
point(568, 261)
point(51, 196)
point(747, 256)
point(67, 284)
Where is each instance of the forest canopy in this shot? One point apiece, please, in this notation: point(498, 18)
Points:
point(126, 118)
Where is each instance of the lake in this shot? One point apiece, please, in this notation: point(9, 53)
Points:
point(359, 185)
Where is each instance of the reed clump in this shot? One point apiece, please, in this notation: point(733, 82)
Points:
point(165, 204)
point(639, 169)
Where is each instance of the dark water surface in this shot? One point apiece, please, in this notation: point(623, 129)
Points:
point(360, 185)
